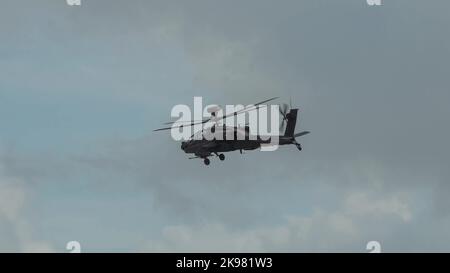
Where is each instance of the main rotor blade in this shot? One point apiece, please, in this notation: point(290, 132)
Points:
point(186, 121)
point(251, 108)
point(181, 126)
point(264, 101)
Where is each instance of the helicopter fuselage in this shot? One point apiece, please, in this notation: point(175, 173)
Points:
point(203, 146)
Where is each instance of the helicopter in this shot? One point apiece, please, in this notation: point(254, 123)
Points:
point(205, 143)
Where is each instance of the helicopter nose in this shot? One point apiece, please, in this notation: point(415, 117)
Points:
point(183, 145)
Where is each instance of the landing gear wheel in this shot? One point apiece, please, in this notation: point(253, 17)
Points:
point(206, 161)
point(222, 157)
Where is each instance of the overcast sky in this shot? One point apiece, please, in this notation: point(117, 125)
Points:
point(82, 88)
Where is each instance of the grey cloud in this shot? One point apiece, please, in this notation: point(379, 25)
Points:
point(16, 231)
point(371, 84)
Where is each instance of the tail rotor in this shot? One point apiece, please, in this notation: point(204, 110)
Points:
point(283, 111)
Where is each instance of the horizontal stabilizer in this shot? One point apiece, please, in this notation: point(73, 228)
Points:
point(301, 134)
